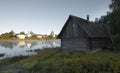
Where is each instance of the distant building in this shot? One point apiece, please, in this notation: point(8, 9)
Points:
point(28, 34)
point(13, 33)
point(21, 36)
point(45, 36)
point(81, 35)
point(52, 34)
point(39, 36)
point(32, 33)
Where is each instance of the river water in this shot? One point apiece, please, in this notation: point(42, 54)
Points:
point(25, 48)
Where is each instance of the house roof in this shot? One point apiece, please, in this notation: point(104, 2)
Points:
point(93, 30)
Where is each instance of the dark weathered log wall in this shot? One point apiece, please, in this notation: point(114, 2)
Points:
point(74, 44)
point(99, 43)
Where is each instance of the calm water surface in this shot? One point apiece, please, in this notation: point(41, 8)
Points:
point(17, 48)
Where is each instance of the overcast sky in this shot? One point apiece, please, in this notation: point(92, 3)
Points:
point(43, 16)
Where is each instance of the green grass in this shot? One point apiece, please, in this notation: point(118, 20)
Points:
point(57, 61)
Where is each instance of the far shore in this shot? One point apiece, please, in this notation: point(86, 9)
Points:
point(26, 40)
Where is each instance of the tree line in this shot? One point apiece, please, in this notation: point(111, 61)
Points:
point(112, 21)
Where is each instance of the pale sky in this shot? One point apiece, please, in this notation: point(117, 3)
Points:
point(43, 16)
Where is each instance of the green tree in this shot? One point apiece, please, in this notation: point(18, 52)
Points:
point(7, 35)
point(112, 18)
point(112, 21)
point(22, 32)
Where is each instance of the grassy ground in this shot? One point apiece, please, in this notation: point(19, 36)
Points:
point(57, 61)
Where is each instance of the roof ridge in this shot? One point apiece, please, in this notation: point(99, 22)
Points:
point(73, 16)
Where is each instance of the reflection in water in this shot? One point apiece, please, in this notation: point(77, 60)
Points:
point(10, 49)
point(54, 44)
point(21, 43)
point(28, 45)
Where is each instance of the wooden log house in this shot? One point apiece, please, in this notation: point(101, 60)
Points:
point(81, 35)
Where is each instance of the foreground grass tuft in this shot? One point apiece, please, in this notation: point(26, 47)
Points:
point(10, 61)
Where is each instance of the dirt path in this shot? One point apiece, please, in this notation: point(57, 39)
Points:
point(9, 69)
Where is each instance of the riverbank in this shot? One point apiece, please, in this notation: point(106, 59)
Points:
point(57, 61)
point(21, 40)
point(14, 40)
